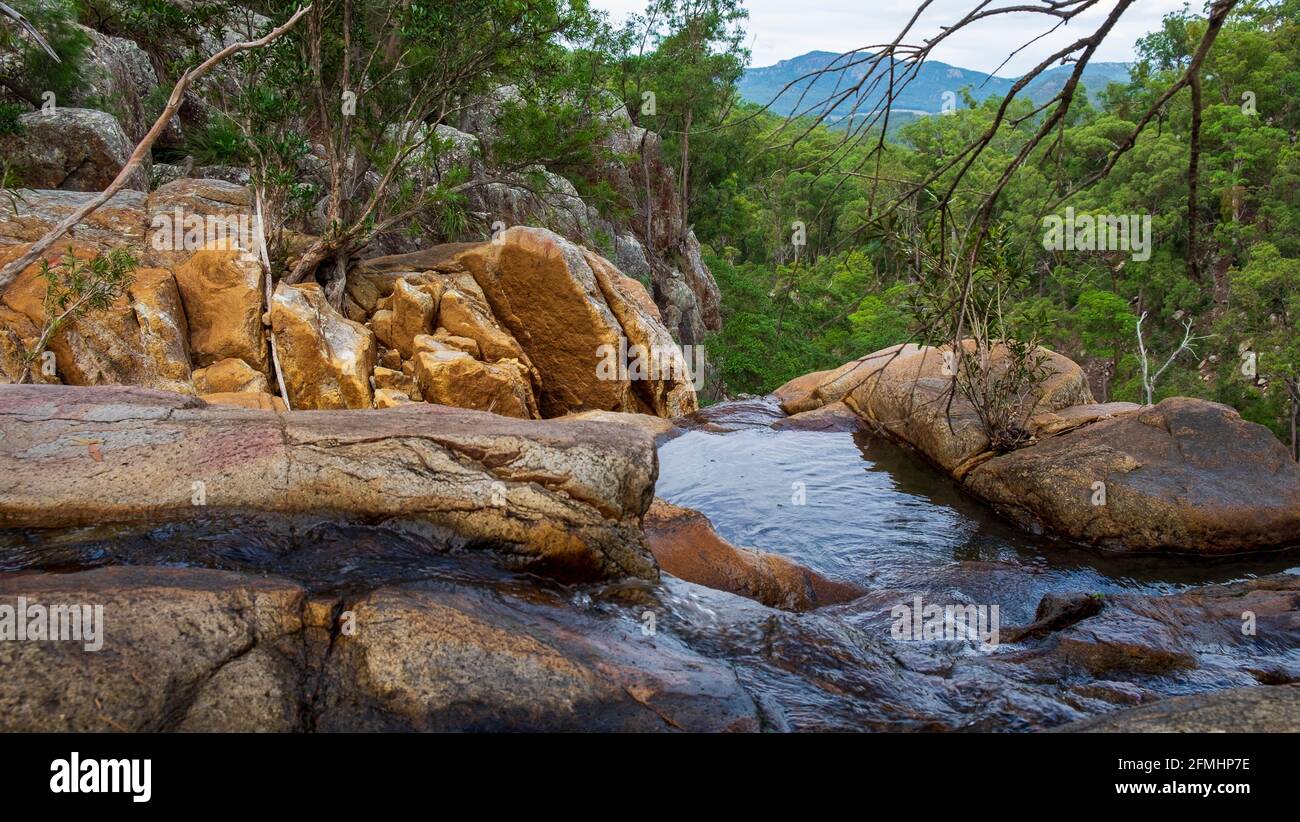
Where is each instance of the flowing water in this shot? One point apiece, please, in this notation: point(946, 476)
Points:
point(853, 506)
point(861, 508)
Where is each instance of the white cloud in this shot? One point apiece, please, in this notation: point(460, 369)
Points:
point(781, 29)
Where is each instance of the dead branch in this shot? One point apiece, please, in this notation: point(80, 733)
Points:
point(11, 271)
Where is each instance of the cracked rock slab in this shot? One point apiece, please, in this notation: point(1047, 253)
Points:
point(560, 498)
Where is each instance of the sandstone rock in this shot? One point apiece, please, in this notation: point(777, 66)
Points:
point(686, 546)
point(72, 149)
point(564, 499)
point(909, 397)
point(170, 637)
point(390, 398)
point(546, 292)
point(1050, 423)
point(1185, 475)
point(188, 215)
point(1235, 710)
point(230, 376)
point(222, 289)
point(465, 344)
point(668, 389)
point(456, 378)
point(821, 388)
point(388, 379)
point(139, 340)
point(466, 314)
point(413, 308)
point(256, 400)
point(444, 657)
point(119, 223)
point(390, 359)
point(658, 427)
point(327, 359)
point(191, 649)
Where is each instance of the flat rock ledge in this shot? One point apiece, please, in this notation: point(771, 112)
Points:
point(195, 649)
point(565, 499)
point(1258, 709)
point(1182, 476)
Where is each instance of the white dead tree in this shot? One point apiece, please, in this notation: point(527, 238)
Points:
point(1149, 380)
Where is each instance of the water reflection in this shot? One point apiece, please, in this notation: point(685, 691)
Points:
point(860, 507)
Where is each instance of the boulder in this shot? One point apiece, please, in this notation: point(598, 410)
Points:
point(182, 649)
point(119, 73)
point(658, 427)
point(413, 308)
point(187, 215)
point(685, 545)
point(668, 387)
point(1185, 475)
point(566, 315)
point(392, 380)
point(465, 313)
point(230, 375)
point(565, 499)
point(1051, 423)
point(456, 378)
point(119, 223)
point(390, 398)
point(909, 397)
point(470, 347)
point(821, 388)
point(222, 289)
point(326, 358)
point(141, 339)
point(71, 149)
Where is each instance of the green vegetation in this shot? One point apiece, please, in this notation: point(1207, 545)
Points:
point(30, 72)
point(790, 309)
point(75, 287)
point(812, 271)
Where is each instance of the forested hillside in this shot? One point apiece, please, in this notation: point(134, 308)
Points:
point(789, 309)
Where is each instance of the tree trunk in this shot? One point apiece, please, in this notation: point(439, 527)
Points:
point(686, 170)
point(336, 282)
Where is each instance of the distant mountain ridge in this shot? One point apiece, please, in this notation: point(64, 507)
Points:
point(923, 95)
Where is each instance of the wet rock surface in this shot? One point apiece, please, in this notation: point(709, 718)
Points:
point(1234, 710)
point(191, 649)
point(561, 498)
point(311, 623)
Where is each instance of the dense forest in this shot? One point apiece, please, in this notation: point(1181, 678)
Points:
point(810, 274)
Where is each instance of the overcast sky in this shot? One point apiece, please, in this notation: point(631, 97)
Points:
point(780, 29)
